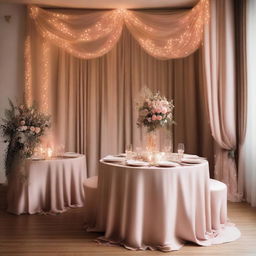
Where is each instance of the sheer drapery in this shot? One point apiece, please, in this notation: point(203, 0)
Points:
point(219, 64)
point(90, 35)
point(250, 139)
point(92, 101)
point(87, 34)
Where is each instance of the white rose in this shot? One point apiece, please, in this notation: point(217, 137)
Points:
point(32, 128)
point(37, 129)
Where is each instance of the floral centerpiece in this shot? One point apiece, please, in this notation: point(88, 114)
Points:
point(155, 111)
point(22, 128)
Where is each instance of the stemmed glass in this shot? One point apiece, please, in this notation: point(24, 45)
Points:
point(181, 149)
point(167, 151)
point(128, 151)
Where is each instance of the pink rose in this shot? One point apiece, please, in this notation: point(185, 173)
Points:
point(154, 117)
point(164, 110)
point(37, 129)
point(22, 122)
point(32, 128)
point(159, 117)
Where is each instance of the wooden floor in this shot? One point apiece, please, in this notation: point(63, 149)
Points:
point(62, 235)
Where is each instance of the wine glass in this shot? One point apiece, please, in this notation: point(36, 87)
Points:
point(167, 151)
point(128, 151)
point(181, 149)
point(138, 152)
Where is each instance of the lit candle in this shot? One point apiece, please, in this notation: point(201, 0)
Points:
point(149, 157)
point(41, 151)
point(157, 157)
point(49, 152)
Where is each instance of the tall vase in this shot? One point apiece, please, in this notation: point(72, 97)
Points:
point(166, 140)
point(151, 141)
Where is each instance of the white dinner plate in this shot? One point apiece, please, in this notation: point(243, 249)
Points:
point(35, 158)
point(167, 164)
point(121, 155)
point(70, 154)
point(110, 158)
point(136, 163)
point(191, 156)
point(191, 161)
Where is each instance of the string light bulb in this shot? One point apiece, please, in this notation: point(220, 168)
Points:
point(82, 38)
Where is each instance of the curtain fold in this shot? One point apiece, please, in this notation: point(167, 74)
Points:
point(169, 35)
point(83, 34)
point(241, 76)
point(219, 64)
point(92, 34)
point(249, 147)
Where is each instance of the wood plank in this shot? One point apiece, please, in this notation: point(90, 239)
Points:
point(62, 235)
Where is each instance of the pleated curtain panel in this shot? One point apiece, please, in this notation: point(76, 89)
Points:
point(86, 68)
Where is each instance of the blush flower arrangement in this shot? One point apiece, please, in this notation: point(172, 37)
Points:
point(22, 128)
point(155, 111)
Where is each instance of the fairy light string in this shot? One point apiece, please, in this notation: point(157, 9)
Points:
point(83, 38)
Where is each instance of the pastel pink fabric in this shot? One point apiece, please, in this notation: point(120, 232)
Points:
point(218, 203)
point(219, 64)
point(47, 186)
point(90, 206)
point(156, 208)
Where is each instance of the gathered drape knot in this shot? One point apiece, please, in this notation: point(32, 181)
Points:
point(232, 153)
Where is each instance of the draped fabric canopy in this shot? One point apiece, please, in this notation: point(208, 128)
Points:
point(93, 34)
point(88, 34)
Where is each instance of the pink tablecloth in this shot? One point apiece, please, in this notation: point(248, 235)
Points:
point(47, 186)
point(157, 208)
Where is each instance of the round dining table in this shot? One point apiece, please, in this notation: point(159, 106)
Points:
point(156, 208)
point(47, 186)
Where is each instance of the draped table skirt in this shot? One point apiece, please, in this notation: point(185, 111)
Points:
point(49, 186)
point(156, 208)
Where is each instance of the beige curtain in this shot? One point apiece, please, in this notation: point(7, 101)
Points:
point(219, 64)
point(93, 101)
